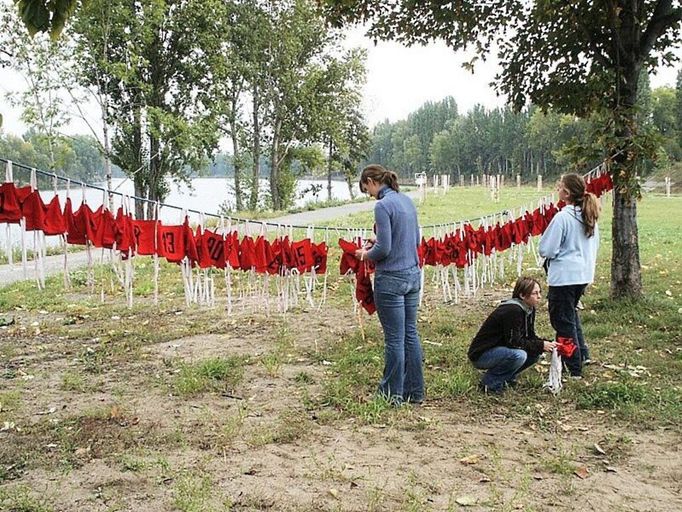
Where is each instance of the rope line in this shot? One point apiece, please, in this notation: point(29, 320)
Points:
point(55, 176)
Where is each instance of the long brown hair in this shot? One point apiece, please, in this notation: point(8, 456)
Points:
point(379, 174)
point(587, 201)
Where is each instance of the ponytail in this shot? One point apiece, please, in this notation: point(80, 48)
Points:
point(589, 206)
point(590, 213)
point(381, 175)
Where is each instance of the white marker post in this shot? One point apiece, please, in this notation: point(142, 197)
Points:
point(420, 180)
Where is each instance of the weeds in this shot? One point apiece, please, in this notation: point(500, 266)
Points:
point(21, 499)
point(216, 374)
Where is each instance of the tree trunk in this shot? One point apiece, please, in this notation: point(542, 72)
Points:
point(140, 191)
point(154, 176)
point(107, 157)
point(140, 177)
point(274, 167)
point(626, 278)
point(349, 182)
point(236, 161)
point(329, 171)
point(255, 175)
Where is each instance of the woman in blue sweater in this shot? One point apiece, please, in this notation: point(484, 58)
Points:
point(396, 284)
point(570, 244)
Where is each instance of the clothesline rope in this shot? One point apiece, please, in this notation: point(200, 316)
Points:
point(158, 204)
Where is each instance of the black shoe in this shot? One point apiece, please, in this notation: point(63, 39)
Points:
point(490, 391)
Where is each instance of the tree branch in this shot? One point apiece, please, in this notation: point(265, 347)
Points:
point(664, 17)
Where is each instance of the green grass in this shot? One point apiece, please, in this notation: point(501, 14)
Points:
point(642, 339)
point(21, 499)
point(215, 374)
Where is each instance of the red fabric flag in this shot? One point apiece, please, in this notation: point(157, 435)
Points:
point(348, 260)
point(259, 257)
point(232, 249)
point(10, 209)
point(170, 242)
point(211, 249)
point(125, 234)
point(320, 256)
point(302, 255)
point(565, 346)
point(75, 224)
point(144, 235)
point(105, 231)
point(33, 210)
point(190, 243)
point(247, 253)
point(54, 223)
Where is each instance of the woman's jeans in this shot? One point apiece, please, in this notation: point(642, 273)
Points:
point(564, 318)
point(504, 365)
point(396, 296)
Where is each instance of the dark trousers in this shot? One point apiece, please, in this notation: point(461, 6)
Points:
point(565, 320)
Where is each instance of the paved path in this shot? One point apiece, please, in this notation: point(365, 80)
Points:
point(54, 264)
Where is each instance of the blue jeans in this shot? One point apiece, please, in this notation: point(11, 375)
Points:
point(396, 296)
point(504, 365)
point(563, 315)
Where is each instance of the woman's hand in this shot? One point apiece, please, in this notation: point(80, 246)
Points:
point(549, 346)
point(361, 254)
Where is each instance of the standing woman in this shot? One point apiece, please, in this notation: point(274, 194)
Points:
point(396, 284)
point(570, 245)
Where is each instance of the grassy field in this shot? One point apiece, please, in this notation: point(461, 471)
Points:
point(168, 407)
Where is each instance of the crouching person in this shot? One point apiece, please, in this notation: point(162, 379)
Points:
point(506, 343)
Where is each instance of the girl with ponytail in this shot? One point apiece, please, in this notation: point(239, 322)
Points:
point(570, 245)
point(397, 283)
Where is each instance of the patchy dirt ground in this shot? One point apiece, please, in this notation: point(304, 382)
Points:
point(90, 426)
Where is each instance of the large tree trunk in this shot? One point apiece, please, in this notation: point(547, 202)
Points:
point(255, 175)
point(626, 277)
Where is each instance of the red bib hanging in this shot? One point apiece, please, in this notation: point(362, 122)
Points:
point(320, 256)
point(247, 253)
point(302, 255)
point(125, 239)
point(33, 210)
point(10, 209)
point(171, 242)
point(75, 224)
point(54, 224)
point(105, 233)
point(211, 249)
point(232, 249)
point(144, 234)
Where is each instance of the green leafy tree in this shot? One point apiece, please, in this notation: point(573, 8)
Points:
point(575, 57)
point(664, 103)
point(152, 64)
point(41, 64)
point(45, 15)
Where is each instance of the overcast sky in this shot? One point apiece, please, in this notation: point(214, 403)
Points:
point(399, 80)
